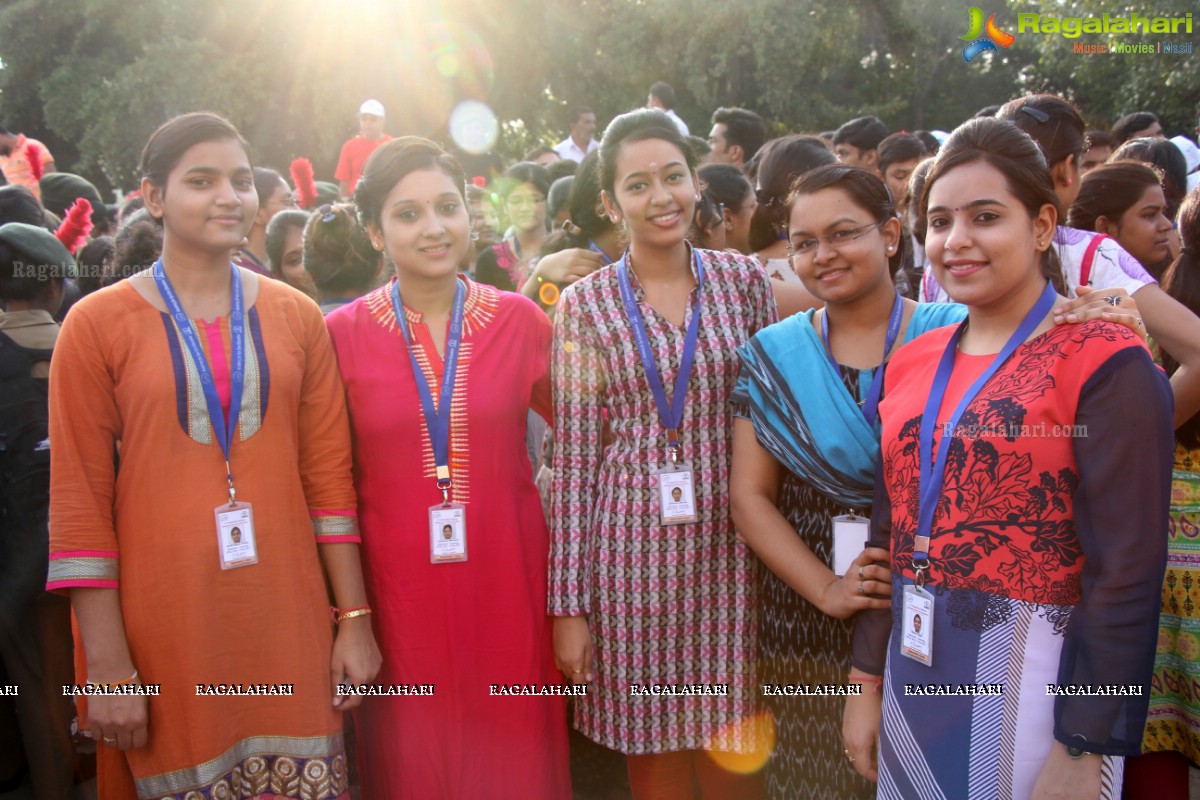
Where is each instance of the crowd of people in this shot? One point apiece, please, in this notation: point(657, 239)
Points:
point(832, 465)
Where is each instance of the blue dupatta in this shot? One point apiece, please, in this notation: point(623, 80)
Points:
point(804, 416)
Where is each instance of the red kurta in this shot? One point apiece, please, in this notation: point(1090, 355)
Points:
point(462, 627)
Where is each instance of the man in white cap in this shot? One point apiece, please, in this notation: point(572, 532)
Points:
point(355, 151)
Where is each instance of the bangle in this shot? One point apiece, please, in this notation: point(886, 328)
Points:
point(341, 615)
point(125, 682)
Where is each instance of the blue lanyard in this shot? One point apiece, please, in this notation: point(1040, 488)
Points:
point(437, 421)
point(931, 481)
point(670, 415)
point(595, 248)
point(870, 407)
point(223, 427)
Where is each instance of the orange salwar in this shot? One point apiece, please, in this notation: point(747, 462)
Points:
point(122, 379)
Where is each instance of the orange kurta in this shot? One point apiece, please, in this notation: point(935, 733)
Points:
point(122, 378)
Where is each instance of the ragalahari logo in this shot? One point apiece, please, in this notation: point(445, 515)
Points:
point(984, 37)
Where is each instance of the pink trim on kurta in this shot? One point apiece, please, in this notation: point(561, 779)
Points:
point(220, 365)
point(90, 584)
point(335, 512)
point(84, 554)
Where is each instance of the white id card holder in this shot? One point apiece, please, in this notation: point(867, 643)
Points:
point(849, 538)
point(916, 638)
point(447, 533)
point(676, 494)
point(236, 542)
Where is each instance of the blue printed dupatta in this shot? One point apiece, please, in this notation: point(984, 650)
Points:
point(803, 414)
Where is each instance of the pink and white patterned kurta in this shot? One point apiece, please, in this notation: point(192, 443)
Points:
point(667, 606)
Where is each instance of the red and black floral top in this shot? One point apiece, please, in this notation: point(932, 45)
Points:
point(1056, 494)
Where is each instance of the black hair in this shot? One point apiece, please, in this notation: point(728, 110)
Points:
point(864, 189)
point(1128, 125)
point(916, 188)
point(637, 126)
point(560, 192)
point(391, 163)
point(986, 111)
point(706, 217)
point(1016, 156)
point(575, 112)
point(129, 206)
point(563, 168)
point(1052, 122)
point(95, 264)
point(138, 244)
point(266, 181)
point(899, 147)
point(743, 128)
point(786, 160)
point(1182, 282)
point(338, 253)
point(538, 152)
point(727, 185)
point(1109, 191)
point(167, 145)
point(276, 235)
point(932, 145)
point(699, 145)
point(1167, 159)
point(585, 211)
point(1099, 138)
point(525, 172)
point(865, 133)
point(664, 93)
point(19, 204)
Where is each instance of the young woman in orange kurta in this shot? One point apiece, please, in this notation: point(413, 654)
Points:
point(138, 473)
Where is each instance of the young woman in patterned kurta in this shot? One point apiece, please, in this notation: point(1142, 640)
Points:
point(640, 604)
point(1047, 539)
point(137, 546)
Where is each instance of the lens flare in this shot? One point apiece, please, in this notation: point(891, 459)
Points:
point(760, 730)
point(474, 127)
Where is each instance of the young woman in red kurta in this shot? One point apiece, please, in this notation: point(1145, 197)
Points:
point(463, 616)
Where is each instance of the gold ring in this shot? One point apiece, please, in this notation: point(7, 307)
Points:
point(109, 741)
point(860, 572)
point(860, 588)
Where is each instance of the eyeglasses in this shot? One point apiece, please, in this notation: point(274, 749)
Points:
point(836, 240)
point(523, 201)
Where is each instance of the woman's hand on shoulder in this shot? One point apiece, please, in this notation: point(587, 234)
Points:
point(1092, 304)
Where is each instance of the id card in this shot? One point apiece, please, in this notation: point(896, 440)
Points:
point(447, 533)
point(676, 495)
point(236, 543)
point(917, 618)
point(849, 538)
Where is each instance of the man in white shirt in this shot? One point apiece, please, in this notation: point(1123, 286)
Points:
point(662, 97)
point(582, 121)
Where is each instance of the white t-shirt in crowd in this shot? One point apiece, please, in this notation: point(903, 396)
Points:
point(1112, 266)
point(568, 149)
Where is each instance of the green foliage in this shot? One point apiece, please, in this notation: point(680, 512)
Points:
point(291, 73)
